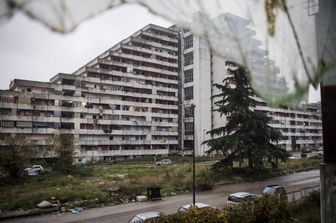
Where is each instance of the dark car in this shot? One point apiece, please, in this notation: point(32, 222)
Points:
point(275, 190)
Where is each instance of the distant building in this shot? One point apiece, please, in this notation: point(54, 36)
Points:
point(136, 98)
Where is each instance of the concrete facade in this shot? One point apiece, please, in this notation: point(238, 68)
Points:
point(136, 99)
point(124, 103)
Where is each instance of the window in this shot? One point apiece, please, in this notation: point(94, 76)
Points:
point(188, 127)
point(188, 93)
point(188, 59)
point(188, 112)
point(188, 42)
point(188, 76)
point(7, 124)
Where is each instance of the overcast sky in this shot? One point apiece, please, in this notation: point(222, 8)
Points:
point(29, 50)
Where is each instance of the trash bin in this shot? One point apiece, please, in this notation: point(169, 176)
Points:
point(153, 193)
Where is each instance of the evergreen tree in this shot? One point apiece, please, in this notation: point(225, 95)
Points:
point(246, 135)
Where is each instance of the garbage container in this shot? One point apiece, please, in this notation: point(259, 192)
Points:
point(153, 193)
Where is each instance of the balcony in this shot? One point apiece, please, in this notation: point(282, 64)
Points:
point(144, 59)
point(140, 49)
point(165, 133)
point(137, 152)
point(155, 44)
point(158, 36)
point(114, 142)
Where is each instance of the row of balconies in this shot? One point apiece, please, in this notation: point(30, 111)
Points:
point(139, 58)
point(86, 121)
point(125, 75)
point(36, 130)
point(83, 131)
point(127, 142)
point(289, 142)
point(165, 38)
point(289, 111)
point(156, 36)
point(130, 94)
point(98, 81)
point(158, 53)
point(154, 44)
point(284, 126)
point(309, 141)
point(301, 134)
point(81, 109)
point(152, 69)
point(137, 152)
point(282, 118)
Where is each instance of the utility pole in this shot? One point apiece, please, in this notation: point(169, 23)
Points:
point(325, 36)
point(193, 155)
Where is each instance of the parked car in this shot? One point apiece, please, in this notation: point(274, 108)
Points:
point(164, 162)
point(143, 217)
point(31, 172)
point(275, 190)
point(198, 205)
point(241, 197)
point(36, 168)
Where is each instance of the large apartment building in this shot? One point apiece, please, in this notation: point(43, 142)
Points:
point(301, 126)
point(148, 95)
point(124, 103)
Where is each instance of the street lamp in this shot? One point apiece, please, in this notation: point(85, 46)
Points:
point(193, 155)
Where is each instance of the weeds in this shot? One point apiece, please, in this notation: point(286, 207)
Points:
point(88, 185)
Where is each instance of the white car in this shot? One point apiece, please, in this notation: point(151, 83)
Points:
point(241, 197)
point(164, 162)
point(198, 205)
point(142, 217)
point(36, 168)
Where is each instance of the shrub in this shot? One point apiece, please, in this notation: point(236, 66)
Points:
point(193, 215)
point(132, 189)
point(267, 209)
point(308, 210)
point(204, 180)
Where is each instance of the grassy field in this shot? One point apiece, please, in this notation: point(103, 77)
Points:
point(86, 186)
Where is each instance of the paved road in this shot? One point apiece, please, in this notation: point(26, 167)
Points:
point(216, 197)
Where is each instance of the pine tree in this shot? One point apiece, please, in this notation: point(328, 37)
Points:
point(246, 135)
